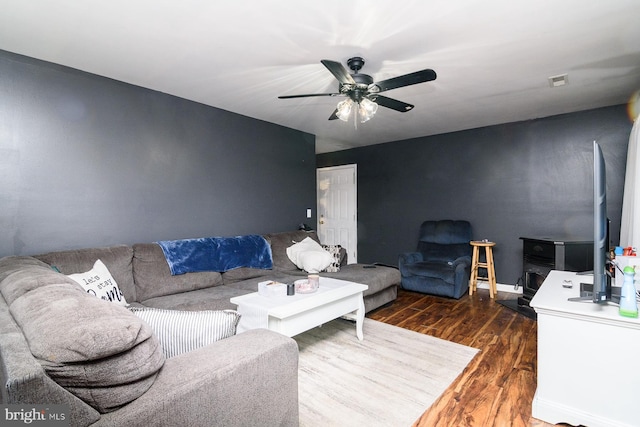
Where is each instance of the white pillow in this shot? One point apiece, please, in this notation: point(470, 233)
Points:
point(180, 331)
point(309, 256)
point(98, 282)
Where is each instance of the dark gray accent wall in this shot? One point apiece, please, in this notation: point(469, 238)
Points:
point(531, 179)
point(88, 161)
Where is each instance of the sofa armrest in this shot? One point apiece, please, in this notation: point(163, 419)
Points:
point(408, 258)
point(462, 268)
point(248, 379)
point(462, 262)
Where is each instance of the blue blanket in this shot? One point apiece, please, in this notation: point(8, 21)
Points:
point(216, 253)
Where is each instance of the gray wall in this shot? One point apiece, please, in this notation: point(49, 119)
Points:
point(88, 161)
point(529, 179)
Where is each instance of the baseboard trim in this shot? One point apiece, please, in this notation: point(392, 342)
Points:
point(500, 287)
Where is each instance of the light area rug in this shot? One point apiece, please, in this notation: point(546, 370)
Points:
point(389, 379)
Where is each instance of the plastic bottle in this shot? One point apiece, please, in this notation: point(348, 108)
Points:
point(628, 304)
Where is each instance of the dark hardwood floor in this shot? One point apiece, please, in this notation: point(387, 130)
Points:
point(497, 387)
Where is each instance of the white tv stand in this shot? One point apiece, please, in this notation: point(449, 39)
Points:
point(588, 370)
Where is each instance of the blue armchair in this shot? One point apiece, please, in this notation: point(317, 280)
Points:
point(442, 263)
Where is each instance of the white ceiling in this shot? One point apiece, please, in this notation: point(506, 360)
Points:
point(493, 57)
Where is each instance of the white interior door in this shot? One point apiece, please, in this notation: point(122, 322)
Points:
point(337, 208)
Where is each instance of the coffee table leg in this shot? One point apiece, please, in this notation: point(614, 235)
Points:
point(360, 320)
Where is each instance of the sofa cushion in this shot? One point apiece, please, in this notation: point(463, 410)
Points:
point(443, 253)
point(437, 270)
point(182, 331)
point(22, 274)
point(99, 283)
point(13, 264)
point(378, 278)
point(118, 260)
point(24, 380)
point(279, 244)
point(216, 298)
point(99, 351)
point(244, 273)
point(153, 278)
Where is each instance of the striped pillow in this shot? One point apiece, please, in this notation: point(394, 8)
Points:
point(181, 331)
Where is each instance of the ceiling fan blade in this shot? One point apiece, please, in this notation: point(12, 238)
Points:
point(394, 104)
point(308, 95)
point(405, 80)
point(334, 115)
point(338, 71)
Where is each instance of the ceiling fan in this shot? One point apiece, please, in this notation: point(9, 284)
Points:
point(363, 93)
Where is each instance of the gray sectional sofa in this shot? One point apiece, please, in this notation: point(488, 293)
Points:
point(60, 345)
point(213, 290)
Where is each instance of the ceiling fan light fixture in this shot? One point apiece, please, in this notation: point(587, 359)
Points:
point(344, 109)
point(366, 109)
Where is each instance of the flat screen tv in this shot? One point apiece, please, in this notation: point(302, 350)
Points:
point(601, 277)
point(600, 291)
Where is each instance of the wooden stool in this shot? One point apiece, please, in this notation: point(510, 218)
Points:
point(488, 264)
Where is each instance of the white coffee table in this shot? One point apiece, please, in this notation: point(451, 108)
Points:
point(292, 315)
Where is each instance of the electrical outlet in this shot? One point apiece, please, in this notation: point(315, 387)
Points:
point(308, 213)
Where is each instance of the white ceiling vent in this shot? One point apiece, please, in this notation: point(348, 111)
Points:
point(560, 80)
